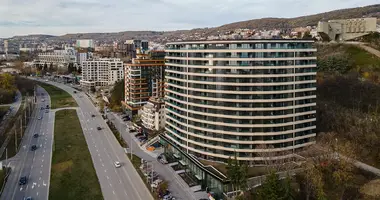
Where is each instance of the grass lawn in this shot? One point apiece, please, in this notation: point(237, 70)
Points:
point(72, 173)
point(59, 98)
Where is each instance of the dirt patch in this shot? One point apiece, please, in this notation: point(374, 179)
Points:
point(63, 166)
point(371, 189)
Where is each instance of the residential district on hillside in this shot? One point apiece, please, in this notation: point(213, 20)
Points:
point(188, 108)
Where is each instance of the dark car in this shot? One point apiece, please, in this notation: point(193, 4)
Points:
point(23, 180)
point(33, 148)
point(75, 91)
point(35, 135)
point(42, 108)
point(47, 106)
point(92, 115)
point(28, 198)
point(99, 128)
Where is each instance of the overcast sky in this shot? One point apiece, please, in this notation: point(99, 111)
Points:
point(58, 17)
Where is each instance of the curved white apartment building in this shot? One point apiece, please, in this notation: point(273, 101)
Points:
point(236, 95)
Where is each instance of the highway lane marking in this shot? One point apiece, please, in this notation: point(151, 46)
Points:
point(99, 154)
point(27, 187)
point(113, 191)
point(119, 180)
point(32, 166)
point(42, 166)
point(102, 165)
point(39, 179)
point(40, 172)
point(20, 188)
point(42, 160)
point(33, 159)
point(37, 193)
point(105, 170)
point(38, 185)
point(110, 184)
point(43, 155)
point(108, 177)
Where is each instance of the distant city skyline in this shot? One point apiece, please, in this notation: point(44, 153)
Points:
point(59, 17)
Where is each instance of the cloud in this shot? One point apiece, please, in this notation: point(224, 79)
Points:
point(57, 17)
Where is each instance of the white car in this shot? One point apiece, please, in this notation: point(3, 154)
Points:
point(117, 164)
point(39, 118)
point(43, 100)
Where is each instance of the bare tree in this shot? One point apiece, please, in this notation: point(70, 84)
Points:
point(274, 160)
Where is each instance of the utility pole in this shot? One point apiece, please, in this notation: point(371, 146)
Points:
point(6, 160)
point(131, 149)
point(152, 177)
point(16, 140)
point(21, 124)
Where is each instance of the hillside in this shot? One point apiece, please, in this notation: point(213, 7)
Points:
point(265, 23)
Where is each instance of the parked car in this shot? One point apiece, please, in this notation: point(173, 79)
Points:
point(43, 100)
point(47, 106)
point(39, 118)
point(75, 91)
point(99, 128)
point(33, 148)
point(27, 198)
point(35, 135)
point(92, 115)
point(23, 180)
point(46, 111)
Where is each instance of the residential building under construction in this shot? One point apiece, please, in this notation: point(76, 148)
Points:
point(144, 78)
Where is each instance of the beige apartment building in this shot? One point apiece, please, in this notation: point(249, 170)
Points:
point(346, 29)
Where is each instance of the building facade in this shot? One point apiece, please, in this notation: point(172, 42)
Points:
point(243, 96)
point(59, 57)
point(101, 72)
point(346, 29)
point(144, 78)
point(153, 114)
point(85, 44)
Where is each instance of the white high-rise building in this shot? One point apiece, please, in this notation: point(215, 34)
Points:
point(85, 44)
point(101, 72)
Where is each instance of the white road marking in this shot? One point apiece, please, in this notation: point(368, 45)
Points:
point(113, 191)
point(38, 185)
point(42, 160)
point(44, 150)
point(100, 160)
point(42, 166)
point(99, 154)
point(120, 181)
point(108, 177)
point(43, 133)
point(102, 165)
point(33, 159)
point(43, 155)
point(40, 172)
point(37, 193)
point(20, 188)
point(97, 150)
point(43, 183)
point(27, 187)
point(39, 179)
point(105, 170)
point(32, 167)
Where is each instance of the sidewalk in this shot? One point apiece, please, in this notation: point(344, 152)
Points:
point(177, 186)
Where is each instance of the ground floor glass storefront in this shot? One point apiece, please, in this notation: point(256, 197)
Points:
point(208, 178)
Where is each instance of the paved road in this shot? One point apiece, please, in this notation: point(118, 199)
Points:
point(177, 185)
point(15, 107)
point(116, 183)
point(35, 165)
